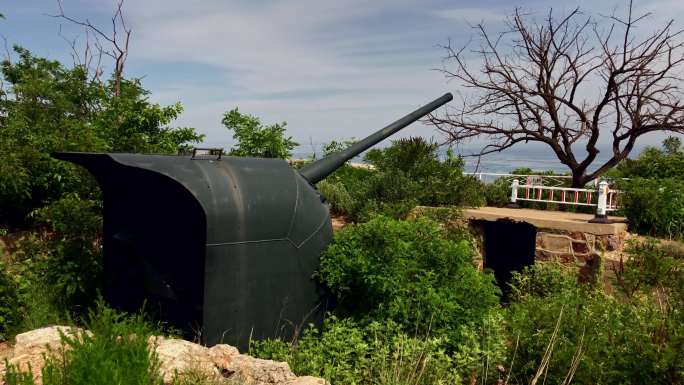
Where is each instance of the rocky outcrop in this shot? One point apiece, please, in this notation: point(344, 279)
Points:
point(177, 358)
point(30, 349)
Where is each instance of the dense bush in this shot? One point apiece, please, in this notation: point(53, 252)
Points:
point(541, 280)
point(653, 201)
point(384, 353)
point(654, 206)
point(568, 331)
point(377, 353)
point(9, 303)
point(411, 308)
point(608, 341)
point(116, 352)
point(411, 168)
point(497, 193)
point(71, 263)
point(408, 272)
point(654, 163)
point(404, 175)
point(652, 268)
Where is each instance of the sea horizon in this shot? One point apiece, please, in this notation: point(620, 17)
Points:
point(537, 157)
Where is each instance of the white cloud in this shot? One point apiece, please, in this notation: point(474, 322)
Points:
point(473, 15)
point(331, 69)
point(299, 47)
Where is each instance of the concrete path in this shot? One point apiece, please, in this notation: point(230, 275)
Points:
point(560, 220)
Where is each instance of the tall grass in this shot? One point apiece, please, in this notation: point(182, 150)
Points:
point(115, 351)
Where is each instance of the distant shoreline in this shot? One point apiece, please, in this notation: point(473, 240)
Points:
point(535, 157)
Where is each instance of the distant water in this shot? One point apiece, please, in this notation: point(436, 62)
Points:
point(531, 155)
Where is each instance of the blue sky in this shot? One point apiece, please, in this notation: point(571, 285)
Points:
point(331, 69)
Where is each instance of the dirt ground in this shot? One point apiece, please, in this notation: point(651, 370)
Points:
point(338, 222)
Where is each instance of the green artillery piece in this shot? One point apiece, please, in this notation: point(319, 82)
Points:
point(221, 246)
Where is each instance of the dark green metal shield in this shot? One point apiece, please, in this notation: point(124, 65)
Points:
point(223, 247)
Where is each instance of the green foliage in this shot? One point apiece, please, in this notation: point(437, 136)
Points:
point(256, 140)
point(404, 175)
point(654, 196)
point(408, 272)
point(610, 340)
point(14, 376)
point(47, 107)
point(344, 190)
point(541, 280)
point(654, 206)
point(341, 201)
point(116, 352)
point(57, 270)
point(336, 146)
point(650, 267)
point(654, 163)
point(72, 263)
point(378, 353)
point(497, 193)
point(411, 168)
point(9, 303)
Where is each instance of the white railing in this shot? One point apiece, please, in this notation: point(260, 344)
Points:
point(535, 179)
point(603, 198)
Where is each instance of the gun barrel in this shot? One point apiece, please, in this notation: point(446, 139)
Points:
point(318, 170)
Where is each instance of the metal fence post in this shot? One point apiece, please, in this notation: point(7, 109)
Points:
point(601, 204)
point(514, 194)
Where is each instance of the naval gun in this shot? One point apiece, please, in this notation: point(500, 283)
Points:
point(222, 246)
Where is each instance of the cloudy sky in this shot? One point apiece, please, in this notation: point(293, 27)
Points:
point(331, 69)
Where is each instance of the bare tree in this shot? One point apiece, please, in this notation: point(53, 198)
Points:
point(84, 56)
point(117, 41)
point(535, 78)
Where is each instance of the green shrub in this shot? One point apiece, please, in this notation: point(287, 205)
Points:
point(498, 193)
point(408, 272)
point(38, 303)
point(72, 262)
point(116, 352)
point(9, 303)
point(610, 341)
point(664, 163)
point(654, 206)
point(346, 190)
point(404, 175)
point(377, 353)
point(541, 280)
point(650, 267)
point(341, 201)
point(415, 166)
point(653, 201)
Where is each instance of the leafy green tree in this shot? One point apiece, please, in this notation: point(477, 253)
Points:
point(255, 139)
point(48, 107)
point(336, 146)
point(666, 162)
point(654, 193)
